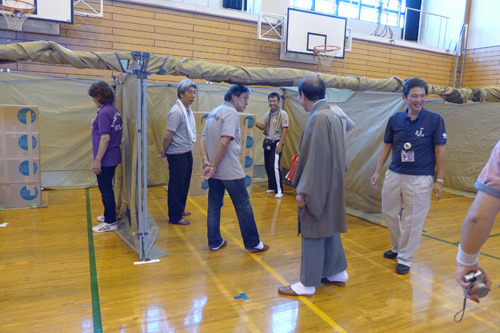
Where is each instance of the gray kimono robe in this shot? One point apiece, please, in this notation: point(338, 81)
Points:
point(320, 174)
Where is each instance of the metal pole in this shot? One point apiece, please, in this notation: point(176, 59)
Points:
point(439, 34)
point(139, 152)
point(445, 32)
point(466, 32)
point(406, 22)
point(425, 31)
point(145, 154)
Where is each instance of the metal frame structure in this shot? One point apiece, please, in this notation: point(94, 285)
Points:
point(141, 59)
point(93, 11)
point(274, 21)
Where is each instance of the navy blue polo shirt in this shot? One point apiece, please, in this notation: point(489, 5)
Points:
point(429, 132)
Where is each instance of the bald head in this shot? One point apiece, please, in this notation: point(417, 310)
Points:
point(312, 87)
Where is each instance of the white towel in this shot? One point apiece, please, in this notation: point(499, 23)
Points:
point(190, 122)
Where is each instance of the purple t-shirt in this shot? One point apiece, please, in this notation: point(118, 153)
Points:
point(108, 121)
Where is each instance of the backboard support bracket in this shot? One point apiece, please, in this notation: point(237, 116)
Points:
point(276, 24)
point(83, 8)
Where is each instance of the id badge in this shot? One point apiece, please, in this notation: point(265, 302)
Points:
point(407, 156)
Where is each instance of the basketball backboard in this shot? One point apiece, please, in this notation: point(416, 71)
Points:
point(58, 11)
point(306, 29)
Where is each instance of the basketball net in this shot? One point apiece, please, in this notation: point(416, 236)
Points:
point(325, 54)
point(16, 12)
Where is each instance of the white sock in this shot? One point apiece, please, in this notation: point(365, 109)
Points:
point(300, 289)
point(340, 277)
point(260, 246)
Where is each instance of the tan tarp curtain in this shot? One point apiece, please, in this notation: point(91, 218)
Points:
point(66, 111)
point(472, 129)
point(65, 107)
point(53, 53)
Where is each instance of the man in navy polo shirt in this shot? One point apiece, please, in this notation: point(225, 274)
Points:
point(417, 138)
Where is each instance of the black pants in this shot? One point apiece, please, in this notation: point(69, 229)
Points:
point(105, 183)
point(272, 163)
point(180, 167)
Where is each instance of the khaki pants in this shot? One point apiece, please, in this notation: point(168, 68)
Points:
point(406, 198)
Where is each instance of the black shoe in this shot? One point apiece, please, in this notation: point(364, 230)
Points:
point(390, 255)
point(402, 269)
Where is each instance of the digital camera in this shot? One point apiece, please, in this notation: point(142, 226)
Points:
point(477, 279)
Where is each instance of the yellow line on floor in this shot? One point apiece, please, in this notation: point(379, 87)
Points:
point(305, 300)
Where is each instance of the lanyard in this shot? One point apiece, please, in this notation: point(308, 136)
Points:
point(414, 128)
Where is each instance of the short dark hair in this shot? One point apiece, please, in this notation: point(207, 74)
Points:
point(101, 91)
point(414, 82)
point(183, 86)
point(237, 90)
point(313, 87)
point(273, 94)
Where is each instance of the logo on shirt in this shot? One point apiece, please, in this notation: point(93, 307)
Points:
point(114, 125)
point(419, 132)
point(444, 136)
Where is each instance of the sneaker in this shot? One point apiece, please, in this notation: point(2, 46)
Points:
point(402, 269)
point(279, 195)
point(223, 244)
point(100, 218)
point(104, 227)
point(390, 254)
point(269, 191)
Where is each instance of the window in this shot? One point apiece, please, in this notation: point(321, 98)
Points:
point(390, 12)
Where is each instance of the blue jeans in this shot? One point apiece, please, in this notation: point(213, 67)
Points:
point(180, 168)
point(105, 183)
point(241, 201)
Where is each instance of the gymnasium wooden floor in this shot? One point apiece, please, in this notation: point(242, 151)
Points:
point(55, 278)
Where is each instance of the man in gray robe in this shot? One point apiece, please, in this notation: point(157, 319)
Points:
point(319, 179)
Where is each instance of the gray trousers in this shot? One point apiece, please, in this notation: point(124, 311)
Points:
point(413, 195)
point(321, 257)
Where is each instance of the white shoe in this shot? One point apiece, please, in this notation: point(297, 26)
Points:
point(100, 218)
point(104, 227)
point(270, 191)
point(279, 195)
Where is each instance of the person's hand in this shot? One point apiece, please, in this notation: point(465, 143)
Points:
point(300, 200)
point(206, 163)
point(464, 270)
point(374, 179)
point(438, 189)
point(278, 149)
point(96, 167)
point(208, 172)
point(162, 154)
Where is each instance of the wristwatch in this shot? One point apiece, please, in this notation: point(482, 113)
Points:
point(203, 158)
point(440, 181)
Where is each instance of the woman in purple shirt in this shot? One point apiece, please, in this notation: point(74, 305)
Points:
point(106, 139)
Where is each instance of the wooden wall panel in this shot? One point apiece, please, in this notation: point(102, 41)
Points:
point(167, 32)
point(482, 67)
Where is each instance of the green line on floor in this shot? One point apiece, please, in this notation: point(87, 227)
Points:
point(494, 235)
point(94, 286)
point(456, 244)
point(438, 239)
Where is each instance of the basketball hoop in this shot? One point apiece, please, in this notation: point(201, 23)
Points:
point(16, 12)
point(326, 53)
